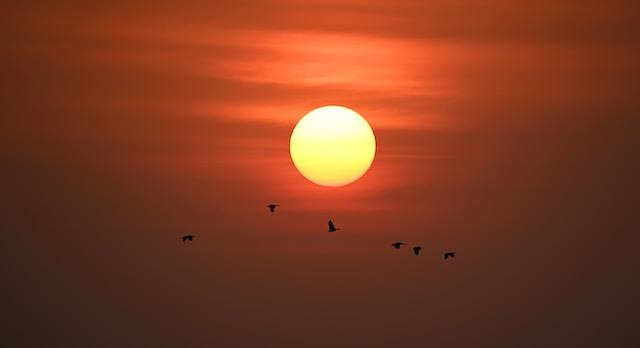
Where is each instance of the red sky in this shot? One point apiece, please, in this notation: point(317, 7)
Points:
point(507, 131)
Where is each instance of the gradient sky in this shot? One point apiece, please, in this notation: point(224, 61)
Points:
point(507, 131)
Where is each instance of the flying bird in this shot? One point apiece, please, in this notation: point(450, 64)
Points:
point(188, 237)
point(332, 227)
point(397, 245)
point(416, 250)
point(449, 254)
point(272, 207)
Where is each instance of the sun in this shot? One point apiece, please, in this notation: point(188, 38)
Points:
point(332, 146)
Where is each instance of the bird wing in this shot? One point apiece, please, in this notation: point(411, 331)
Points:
point(331, 226)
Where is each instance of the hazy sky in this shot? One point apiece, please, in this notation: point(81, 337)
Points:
point(507, 131)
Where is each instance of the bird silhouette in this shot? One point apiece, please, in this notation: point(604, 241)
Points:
point(188, 237)
point(416, 250)
point(449, 254)
point(332, 227)
point(272, 207)
point(397, 245)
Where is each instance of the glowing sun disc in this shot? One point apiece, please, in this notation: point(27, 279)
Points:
point(332, 146)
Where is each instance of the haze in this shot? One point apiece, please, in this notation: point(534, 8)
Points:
point(506, 131)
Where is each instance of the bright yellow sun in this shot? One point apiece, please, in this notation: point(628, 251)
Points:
point(332, 146)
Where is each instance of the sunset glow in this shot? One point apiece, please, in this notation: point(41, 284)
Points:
point(320, 173)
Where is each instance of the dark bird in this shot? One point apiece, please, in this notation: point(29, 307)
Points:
point(416, 250)
point(188, 237)
point(449, 254)
point(332, 227)
point(397, 245)
point(272, 207)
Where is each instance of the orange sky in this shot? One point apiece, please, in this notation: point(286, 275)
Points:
point(506, 131)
